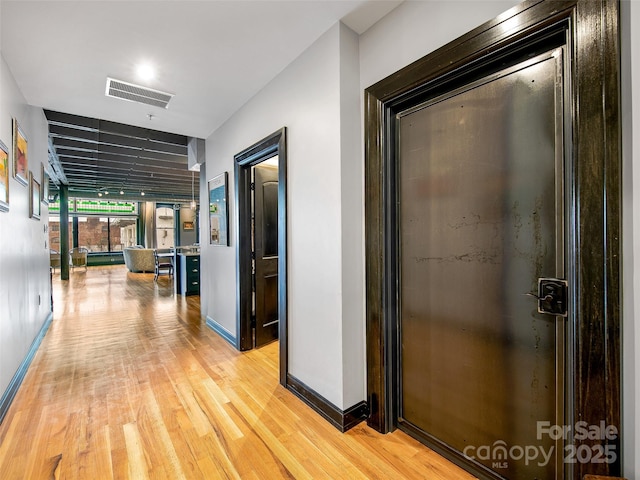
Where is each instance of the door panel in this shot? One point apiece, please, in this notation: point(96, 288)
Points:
point(266, 253)
point(480, 185)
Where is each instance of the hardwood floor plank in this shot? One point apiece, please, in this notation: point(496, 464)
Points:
point(216, 414)
point(138, 467)
point(158, 438)
point(130, 383)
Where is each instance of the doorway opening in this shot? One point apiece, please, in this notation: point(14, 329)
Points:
point(261, 267)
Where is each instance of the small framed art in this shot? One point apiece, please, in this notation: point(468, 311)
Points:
point(20, 155)
point(34, 197)
point(4, 178)
point(44, 186)
point(218, 211)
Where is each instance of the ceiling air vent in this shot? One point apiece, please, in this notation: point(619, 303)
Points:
point(137, 93)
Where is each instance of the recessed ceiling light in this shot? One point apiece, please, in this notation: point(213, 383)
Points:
point(121, 192)
point(142, 193)
point(145, 72)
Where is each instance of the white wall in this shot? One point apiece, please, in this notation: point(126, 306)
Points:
point(630, 18)
point(24, 255)
point(352, 184)
point(305, 98)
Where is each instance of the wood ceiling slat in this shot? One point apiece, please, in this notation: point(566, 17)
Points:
point(181, 160)
point(144, 133)
point(96, 187)
point(178, 166)
point(69, 119)
point(97, 154)
point(114, 127)
point(101, 138)
point(68, 132)
point(139, 175)
point(106, 169)
point(142, 144)
point(73, 144)
point(124, 182)
point(117, 178)
point(67, 145)
point(135, 176)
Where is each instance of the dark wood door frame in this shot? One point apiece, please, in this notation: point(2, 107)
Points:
point(274, 144)
point(593, 350)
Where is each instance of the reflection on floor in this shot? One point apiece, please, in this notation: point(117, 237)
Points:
point(130, 383)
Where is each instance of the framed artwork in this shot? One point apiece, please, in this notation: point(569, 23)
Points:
point(34, 197)
point(20, 155)
point(218, 211)
point(187, 225)
point(44, 185)
point(4, 178)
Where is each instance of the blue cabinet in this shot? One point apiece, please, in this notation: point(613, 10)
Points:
point(189, 274)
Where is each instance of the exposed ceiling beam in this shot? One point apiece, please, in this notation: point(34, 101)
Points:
point(95, 155)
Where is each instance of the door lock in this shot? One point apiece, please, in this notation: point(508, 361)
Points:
point(552, 296)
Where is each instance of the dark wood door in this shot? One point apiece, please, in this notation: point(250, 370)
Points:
point(266, 253)
point(481, 221)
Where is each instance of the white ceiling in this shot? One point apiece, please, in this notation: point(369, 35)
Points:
point(214, 55)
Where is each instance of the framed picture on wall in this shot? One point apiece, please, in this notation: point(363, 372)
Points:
point(218, 211)
point(34, 197)
point(20, 155)
point(187, 226)
point(44, 186)
point(4, 178)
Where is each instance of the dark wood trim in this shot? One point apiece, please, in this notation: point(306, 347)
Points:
point(274, 144)
point(598, 172)
point(223, 332)
point(594, 350)
point(16, 381)
point(244, 333)
point(343, 420)
point(283, 256)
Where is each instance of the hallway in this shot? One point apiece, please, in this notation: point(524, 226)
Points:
point(130, 383)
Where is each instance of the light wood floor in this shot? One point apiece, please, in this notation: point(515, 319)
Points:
point(130, 383)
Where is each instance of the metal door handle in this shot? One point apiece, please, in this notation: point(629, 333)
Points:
point(546, 298)
point(552, 296)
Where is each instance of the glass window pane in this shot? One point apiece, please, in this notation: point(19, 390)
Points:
point(123, 233)
point(165, 227)
point(54, 232)
point(92, 233)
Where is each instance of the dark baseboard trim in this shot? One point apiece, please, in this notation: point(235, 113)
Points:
point(16, 381)
point(343, 420)
point(220, 330)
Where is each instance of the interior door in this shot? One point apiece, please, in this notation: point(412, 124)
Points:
point(266, 253)
point(481, 216)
